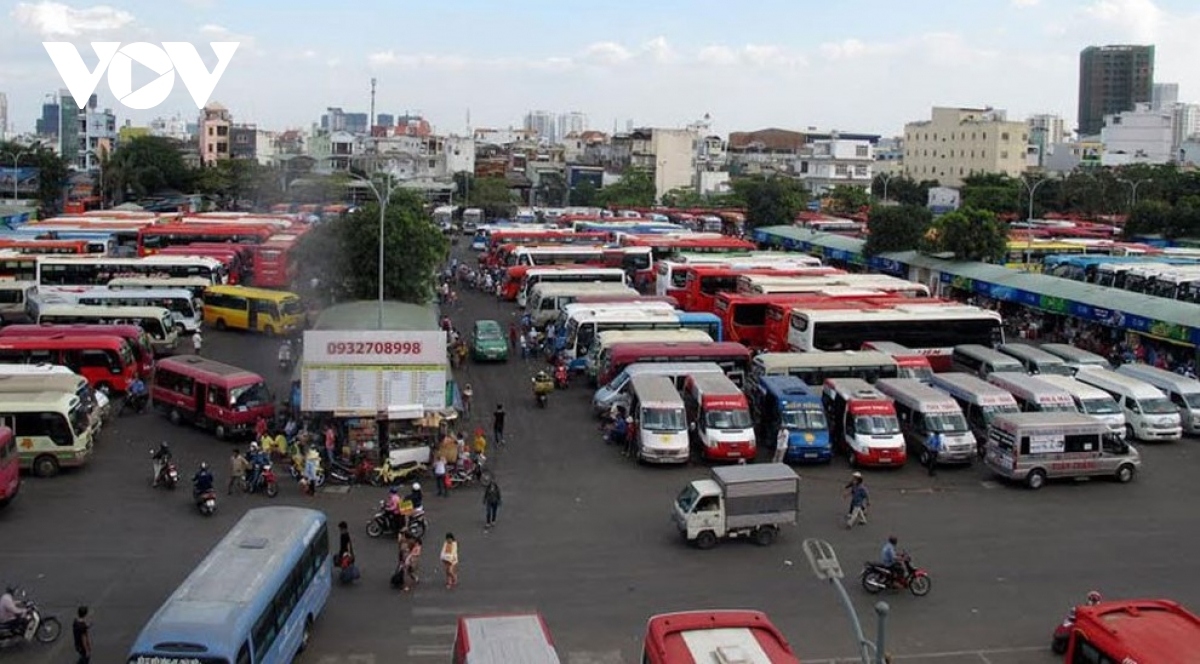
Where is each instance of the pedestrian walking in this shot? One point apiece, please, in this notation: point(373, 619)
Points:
point(498, 425)
point(197, 342)
point(450, 560)
point(860, 500)
point(931, 455)
point(412, 560)
point(330, 443)
point(312, 463)
point(345, 560)
point(439, 475)
point(781, 444)
point(467, 394)
point(82, 631)
point(491, 504)
point(514, 335)
point(238, 467)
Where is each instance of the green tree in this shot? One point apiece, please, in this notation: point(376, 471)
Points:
point(52, 172)
point(684, 197)
point(493, 196)
point(969, 234)
point(903, 189)
point(896, 228)
point(770, 200)
point(343, 254)
point(994, 192)
point(552, 189)
point(847, 199)
point(585, 194)
point(231, 181)
point(145, 165)
point(1148, 218)
point(634, 189)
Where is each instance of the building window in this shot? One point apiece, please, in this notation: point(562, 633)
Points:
point(861, 151)
point(983, 154)
point(985, 135)
point(433, 163)
point(804, 167)
point(1004, 136)
point(841, 170)
point(210, 131)
point(1004, 154)
point(860, 170)
point(211, 148)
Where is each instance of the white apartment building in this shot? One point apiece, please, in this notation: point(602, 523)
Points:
point(1185, 124)
point(1140, 136)
point(672, 156)
point(502, 136)
point(173, 127)
point(957, 142)
point(544, 124)
point(265, 149)
point(826, 163)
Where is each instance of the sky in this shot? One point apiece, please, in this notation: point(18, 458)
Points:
point(853, 65)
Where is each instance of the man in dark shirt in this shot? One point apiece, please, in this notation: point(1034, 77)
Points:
point(83, 636)
point(498, 424)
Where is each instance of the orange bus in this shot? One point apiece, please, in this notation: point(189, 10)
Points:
point(107, 362)
point(139, 341)
point(702, 283)
point(23, 246)
point(1149, 631)
point(274, 262)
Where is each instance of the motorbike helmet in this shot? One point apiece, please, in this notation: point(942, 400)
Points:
point(416, 486)
point(1093, 598)
point(203, 465)
point(253, 446)
point(393, 490)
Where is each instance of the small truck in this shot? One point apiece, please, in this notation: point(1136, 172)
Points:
point(751, 500)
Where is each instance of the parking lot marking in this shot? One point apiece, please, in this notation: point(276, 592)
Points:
point(591, 657)
point(433, 630)
point(430, 651)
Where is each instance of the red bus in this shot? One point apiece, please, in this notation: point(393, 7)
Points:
point(15, 266)
point(153, 238)
point(211, 395)
point(274, 262)
point(10, 467)
point(733, 358)
point(227, 255)
point(22, 246)
point(137, 338)
point(667, 245)
point(107, 362)
point(703, 282)
point(748, 319)
point(678, 638)
point(514, 278)
point(625, 297)
point(540, 237)
point(1145, 631)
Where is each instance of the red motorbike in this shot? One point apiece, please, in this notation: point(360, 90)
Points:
point(562, 378)
point(1062, 633)
point(877, 577)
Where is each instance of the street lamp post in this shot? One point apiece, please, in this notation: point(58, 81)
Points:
point(826, 567)
point(383, 195)
point(1133, 185)
point(886, 177)
point(99, 165)
point(17, 158)
point(1032, 189)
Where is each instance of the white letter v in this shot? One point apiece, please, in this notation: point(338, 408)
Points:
point(80, 81)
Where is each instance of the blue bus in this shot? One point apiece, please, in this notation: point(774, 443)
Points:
point(1084, 267)
point(787, 402)
point(252, 600)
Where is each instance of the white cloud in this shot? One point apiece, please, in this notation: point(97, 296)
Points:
point(220, 33)
point(660, 51)
point(607, 53)
point(382, 58)
point(717, 56)
point(53, 19)
point(1023, 4)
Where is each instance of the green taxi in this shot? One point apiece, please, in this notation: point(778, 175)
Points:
point(488, 342)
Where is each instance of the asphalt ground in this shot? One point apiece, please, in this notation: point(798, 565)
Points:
point(584, 537)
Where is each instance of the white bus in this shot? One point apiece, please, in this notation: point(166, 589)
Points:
point(179, 302)
point(932, 329)
point(556, 255)
point(17, 378)
point(75, 271)
point(546, 300)
point(1090, 400)
point(606, 340)
point(814, 368)
point(756, 284)
point(582, 274)
point(669, 277)
point(980, 401)
point(54, 429)
point(158, 322)
point(197, 285)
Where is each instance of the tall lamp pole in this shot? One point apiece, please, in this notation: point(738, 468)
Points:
point(383, 193)
point(99, 165)
point(17, 158)
point(826, 567)
point(886, 177)
point(1133, 185)
point(1032, 189)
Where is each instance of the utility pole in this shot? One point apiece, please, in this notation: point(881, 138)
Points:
point(371, 120)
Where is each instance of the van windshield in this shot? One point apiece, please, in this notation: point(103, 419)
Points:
point(617, 382)
point(727, 419)
point(946, 422)
point(687, 498)
point(249, 396)
point(1056, 407)
point(877, 425)
point(1100, 406)
point(662, 419)
point(79, 418)
point(292, 307)
point(1192, 399)
point(804, 419)
point(1053, 369)
point(991, 411)
point(1157, 406)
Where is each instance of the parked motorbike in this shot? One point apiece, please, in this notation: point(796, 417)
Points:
point(135, 402)
point(265, 483)
point(877, 577)
point(471, 470)
point(384, 523)
point(35, 627)
point(1062, 633)
point(206, 502)
point(296, 469)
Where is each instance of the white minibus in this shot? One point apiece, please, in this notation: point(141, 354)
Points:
point(1035, 360)
point(15, 299)
point(979, 399)
point(1184, 392)
point(925, 412)
point(1033, 394)
point(53, 428)
point(1148, 414)
point(1076, 357)
point(1034, 447)
point(616, 392)
point(982, 361)
point(1091, 401)
point(659, 419)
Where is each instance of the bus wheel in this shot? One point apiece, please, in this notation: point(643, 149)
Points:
point(1125, 473)
point(45, 466)
point(220, 324)
point(175, 416)
point(1036, 479)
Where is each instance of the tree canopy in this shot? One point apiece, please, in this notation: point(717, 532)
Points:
point(145, 165)
point(492, 195)
point(52, 172)
point(969, 234)
point(848, 199)
point(903, 189)
point(896, 228)
point(343, 254)
point(634, 189)
point(770, 200)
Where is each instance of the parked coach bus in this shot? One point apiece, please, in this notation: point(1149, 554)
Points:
point(158, 323)
point(137, 338)
point(733, 358)
point(106, 362)
point(179, 302)
point(254, 598)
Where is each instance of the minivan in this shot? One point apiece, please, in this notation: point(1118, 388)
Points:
point(1033, 394)
point(1035, 360)
point(211, 395)
point(1034, 447)
point(659, 421)
point(1148, 414)
point(924, 412)
point(616, 392)
point(1076, 357)
point(1092, 401)
point(1184, 392)
point(982, 361)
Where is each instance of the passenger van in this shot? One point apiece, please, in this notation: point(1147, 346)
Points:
point(52, 429)
point(547, 298)
point(253, 309)
point(659, 421)
point(16, 298)
point(1035, 360)
point(158, 323)
point(863, 420)
point(980, 401)
point(61, 379)
point(719, 418)
point(1184, 392)
point(924, 412)
point(1091, 401)
point(504, 639)
point(211, 395)
point(1148, 414)
point(1076, 358)
point(616, 392)
point(982, 361)
point(1033, 394)
point(731, 356)
point(1034, 447)
point(106, 362)
point(785, 402)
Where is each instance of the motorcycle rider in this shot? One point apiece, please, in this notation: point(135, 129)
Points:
point(160, 460)
point(12, 614)
point(415, 497)
point(1093, 598)
point(285, 353)
point(561, 377)
point(136, 397)
point(392, 509)
point(891, 559)
point(258, 459)
point(202, 481)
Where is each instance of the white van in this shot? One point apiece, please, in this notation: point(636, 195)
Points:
point(924, 412)
point(982, 361)
point(1148, 414)
point(616, 392)
point(1033, 394)
point(1184, 392)
point(659, 420)
point(1034, 447)
point(1037, 361)
point(1076, 357)
point(15, 300)
point(547, 298)
point(979, 400)
point(1091, 401)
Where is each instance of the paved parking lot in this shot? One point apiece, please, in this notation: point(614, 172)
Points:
point(584, 537)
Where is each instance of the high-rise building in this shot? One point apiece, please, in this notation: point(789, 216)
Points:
point(573, 122)
point(1045, 130)
point(4, 128)
point(1164, 95)
point(385, 120)
point(333, 120)
point(356, 123)
point(957, 142)
point(1112, 80)
point(544, 124)
point(47, 125)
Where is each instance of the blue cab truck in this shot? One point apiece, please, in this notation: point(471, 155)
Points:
point(786, 401)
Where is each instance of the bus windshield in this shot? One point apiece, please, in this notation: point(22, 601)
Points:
point(991, 411)
point(292, 307)
point(877, 425)
point(946, 422)
point(663, 419)
point(249, 396)
point(727, 419)
point(804, 419)
point(78, 417)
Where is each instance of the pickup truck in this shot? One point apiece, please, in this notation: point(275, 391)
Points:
point(752, 500)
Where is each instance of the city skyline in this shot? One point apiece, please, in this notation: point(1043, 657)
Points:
point(871, 67)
